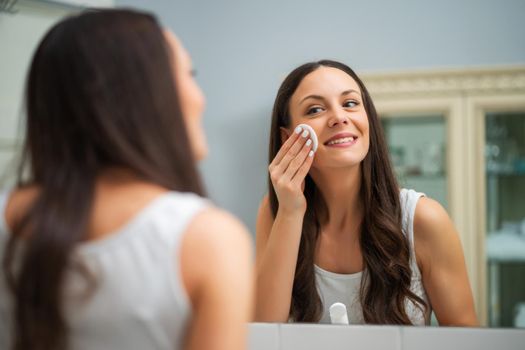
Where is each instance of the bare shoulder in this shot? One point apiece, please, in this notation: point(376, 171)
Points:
point(435, 236)
point(18, 203)
point(216, 229)
point(216, 247)
point(217, 272)
point(431, 220)
point(23, 196)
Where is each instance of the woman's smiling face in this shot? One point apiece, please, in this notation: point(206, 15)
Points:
point(330, 101)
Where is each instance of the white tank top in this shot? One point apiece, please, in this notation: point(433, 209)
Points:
point(139, 301)
point(344, 288)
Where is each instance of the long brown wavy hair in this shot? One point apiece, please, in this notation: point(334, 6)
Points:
point(385, 286)
point(100, 93)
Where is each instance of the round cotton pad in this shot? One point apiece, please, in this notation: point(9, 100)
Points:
point(312, 135)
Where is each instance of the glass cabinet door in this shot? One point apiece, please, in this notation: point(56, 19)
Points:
point(459, 137)
point(417, 146)
point(505, 218)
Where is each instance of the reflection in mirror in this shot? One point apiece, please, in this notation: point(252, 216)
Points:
point(336, 226)
point(417, 145)
point(505, 244)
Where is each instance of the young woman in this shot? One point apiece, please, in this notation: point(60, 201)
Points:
point(335, 227)
point(107, 241)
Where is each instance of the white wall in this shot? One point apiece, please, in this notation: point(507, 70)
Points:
point(243, 49)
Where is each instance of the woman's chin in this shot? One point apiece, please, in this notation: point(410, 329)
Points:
point(339, 161)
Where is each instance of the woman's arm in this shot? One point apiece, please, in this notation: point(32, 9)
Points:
point(217, 269)
point(277, 241)
point(277, 247)
point(442, 264)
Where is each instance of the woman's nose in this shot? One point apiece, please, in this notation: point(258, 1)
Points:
point(338, 117)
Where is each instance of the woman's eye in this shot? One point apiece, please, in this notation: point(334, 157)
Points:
point(314, 110)
point(350, 104)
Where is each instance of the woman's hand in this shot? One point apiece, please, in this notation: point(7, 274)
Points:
point(289, 169)
point(278, 236)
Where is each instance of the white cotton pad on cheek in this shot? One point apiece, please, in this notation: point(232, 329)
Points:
point(311, 134)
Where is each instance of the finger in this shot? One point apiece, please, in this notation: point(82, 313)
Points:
point(287, 145)
point(297, 162)
point(296, 148)
point(303, 170)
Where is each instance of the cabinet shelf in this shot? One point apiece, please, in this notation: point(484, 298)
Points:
point(505, 247)
point(505, 173)
point(439, 177)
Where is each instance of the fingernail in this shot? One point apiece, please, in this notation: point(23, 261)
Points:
point(309, 142)
point(311, 154)
point(298, 130)
point(305, 133)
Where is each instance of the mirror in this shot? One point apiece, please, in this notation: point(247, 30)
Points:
point(470, 122)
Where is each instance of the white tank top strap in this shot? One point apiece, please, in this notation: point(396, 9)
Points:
point(409, 199)
point(185, 206)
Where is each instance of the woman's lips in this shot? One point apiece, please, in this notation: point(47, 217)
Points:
point(342, 143)
point(341, 140)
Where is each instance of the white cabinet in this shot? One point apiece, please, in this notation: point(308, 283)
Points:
point(459, 136)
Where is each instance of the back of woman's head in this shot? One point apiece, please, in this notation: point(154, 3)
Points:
point(101, 93)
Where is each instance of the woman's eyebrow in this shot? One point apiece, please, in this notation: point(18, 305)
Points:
point(321, 98)
point(316, 97)
point(347, 92)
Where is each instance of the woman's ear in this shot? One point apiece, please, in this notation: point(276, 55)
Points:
point(285, 134)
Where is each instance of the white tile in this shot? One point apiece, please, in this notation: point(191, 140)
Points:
point(263, 336)
point(335, 337)
point(433, 338)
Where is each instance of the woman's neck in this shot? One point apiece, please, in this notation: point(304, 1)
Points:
point(340, 188)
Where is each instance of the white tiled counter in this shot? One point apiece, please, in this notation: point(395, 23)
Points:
point(276, 336)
